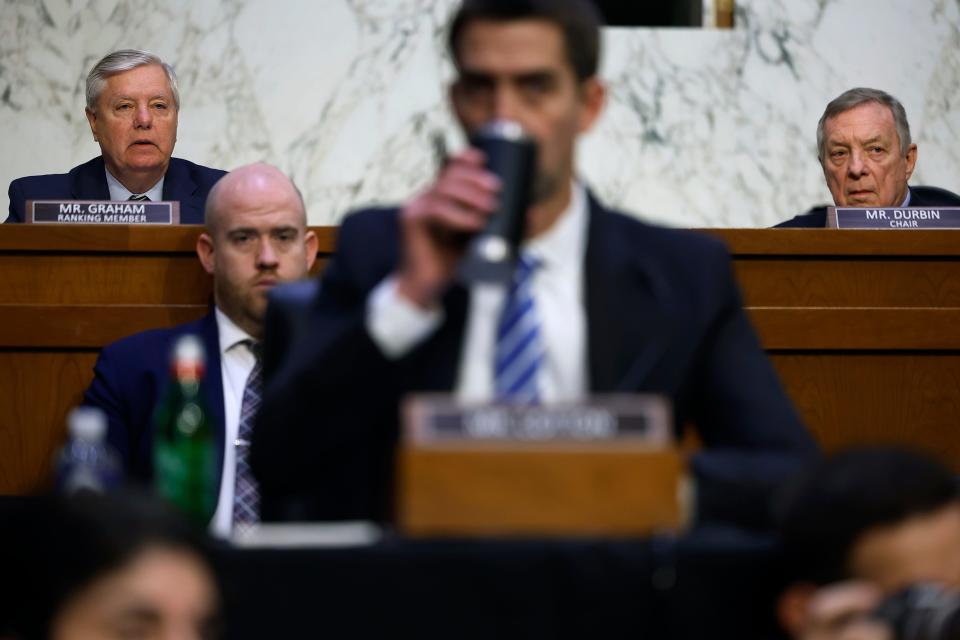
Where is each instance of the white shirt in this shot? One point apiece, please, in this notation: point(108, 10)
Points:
point(236, 363)
point(120, 192)
point(398, 325)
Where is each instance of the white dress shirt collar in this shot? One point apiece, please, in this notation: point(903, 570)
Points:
point(120, 192)
point(562, 245)
point(230, 334)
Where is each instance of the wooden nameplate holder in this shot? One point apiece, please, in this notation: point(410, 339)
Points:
point(607, 468)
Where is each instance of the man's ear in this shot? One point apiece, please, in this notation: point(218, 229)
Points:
point(205, 252)
point(793, 605)
point(454, 95)
point(593, 95)
point(911, 160)
point(92, 121)
point(311, 243)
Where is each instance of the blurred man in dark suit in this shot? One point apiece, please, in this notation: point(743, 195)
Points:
point(133, 105)
point(256, 237)
point(616, 305)
point(863, 141)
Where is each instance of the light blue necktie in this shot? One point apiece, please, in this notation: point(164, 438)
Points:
point(246, 494)
point(519, 348)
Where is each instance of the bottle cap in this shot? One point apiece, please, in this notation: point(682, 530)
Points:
point(189, 358)
point(189, 348)
point(87, 423)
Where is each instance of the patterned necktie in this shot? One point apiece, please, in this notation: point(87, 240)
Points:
point(140, 198)
point(519, 349)
point(246, 495)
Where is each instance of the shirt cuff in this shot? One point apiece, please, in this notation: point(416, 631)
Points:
point(396, 324)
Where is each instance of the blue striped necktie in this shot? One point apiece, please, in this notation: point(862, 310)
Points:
point(519, 349)
point(139, 198)
point(246, 494)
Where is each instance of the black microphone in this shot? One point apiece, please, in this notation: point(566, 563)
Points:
point(512, 156)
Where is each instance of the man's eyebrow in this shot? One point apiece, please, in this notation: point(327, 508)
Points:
point(477, 74)
point(139, 613)
point(159, 96)
point(537, 74)
point(474, 75)
point(238, 230)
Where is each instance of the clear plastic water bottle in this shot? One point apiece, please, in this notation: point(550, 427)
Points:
point(87, 461)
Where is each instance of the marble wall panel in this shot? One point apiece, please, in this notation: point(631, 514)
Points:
point(703, 127)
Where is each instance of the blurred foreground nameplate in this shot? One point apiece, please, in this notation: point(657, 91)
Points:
point(102, 212)
point(607, 467)
point(893, 217)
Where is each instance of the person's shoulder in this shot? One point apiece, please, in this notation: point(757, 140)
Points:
point(148, 348)
point(46, 181)
point(376, 216)
point(815, 218)
point(372, 224)
point(201, 174)
point(649, 238)
point(368, 247)
point(933, 197)
point(32, 183)
point(681, 260)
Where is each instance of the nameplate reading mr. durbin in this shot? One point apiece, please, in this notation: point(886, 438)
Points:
point(893, 217)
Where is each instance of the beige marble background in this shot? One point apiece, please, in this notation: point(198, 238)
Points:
point(703, 128)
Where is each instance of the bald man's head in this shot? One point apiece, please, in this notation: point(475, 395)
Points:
point(244, 183)
point(256, 237)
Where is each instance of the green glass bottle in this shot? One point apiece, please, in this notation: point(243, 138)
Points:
point(183, 447)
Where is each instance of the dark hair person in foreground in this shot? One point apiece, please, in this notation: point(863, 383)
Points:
point(98, 567)
point(859, 527)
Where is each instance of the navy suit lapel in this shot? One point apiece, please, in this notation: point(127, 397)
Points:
point(214, 386)
point(89, 181)
point(628, 308)
point(179, 185)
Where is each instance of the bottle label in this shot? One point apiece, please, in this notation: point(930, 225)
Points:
point(184, 475)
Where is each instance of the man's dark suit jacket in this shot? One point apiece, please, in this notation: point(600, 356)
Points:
point(663, 315)
point(131, 377)
point(816, 218)
point(185, 182)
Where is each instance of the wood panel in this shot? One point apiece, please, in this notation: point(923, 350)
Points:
point(853, 398)
point(805, 243)
point(854, 281)
point(110, 239)
point(153, 279)
point(37, 389)
point(860, 324)
point(858, 328)
point(538, 489)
